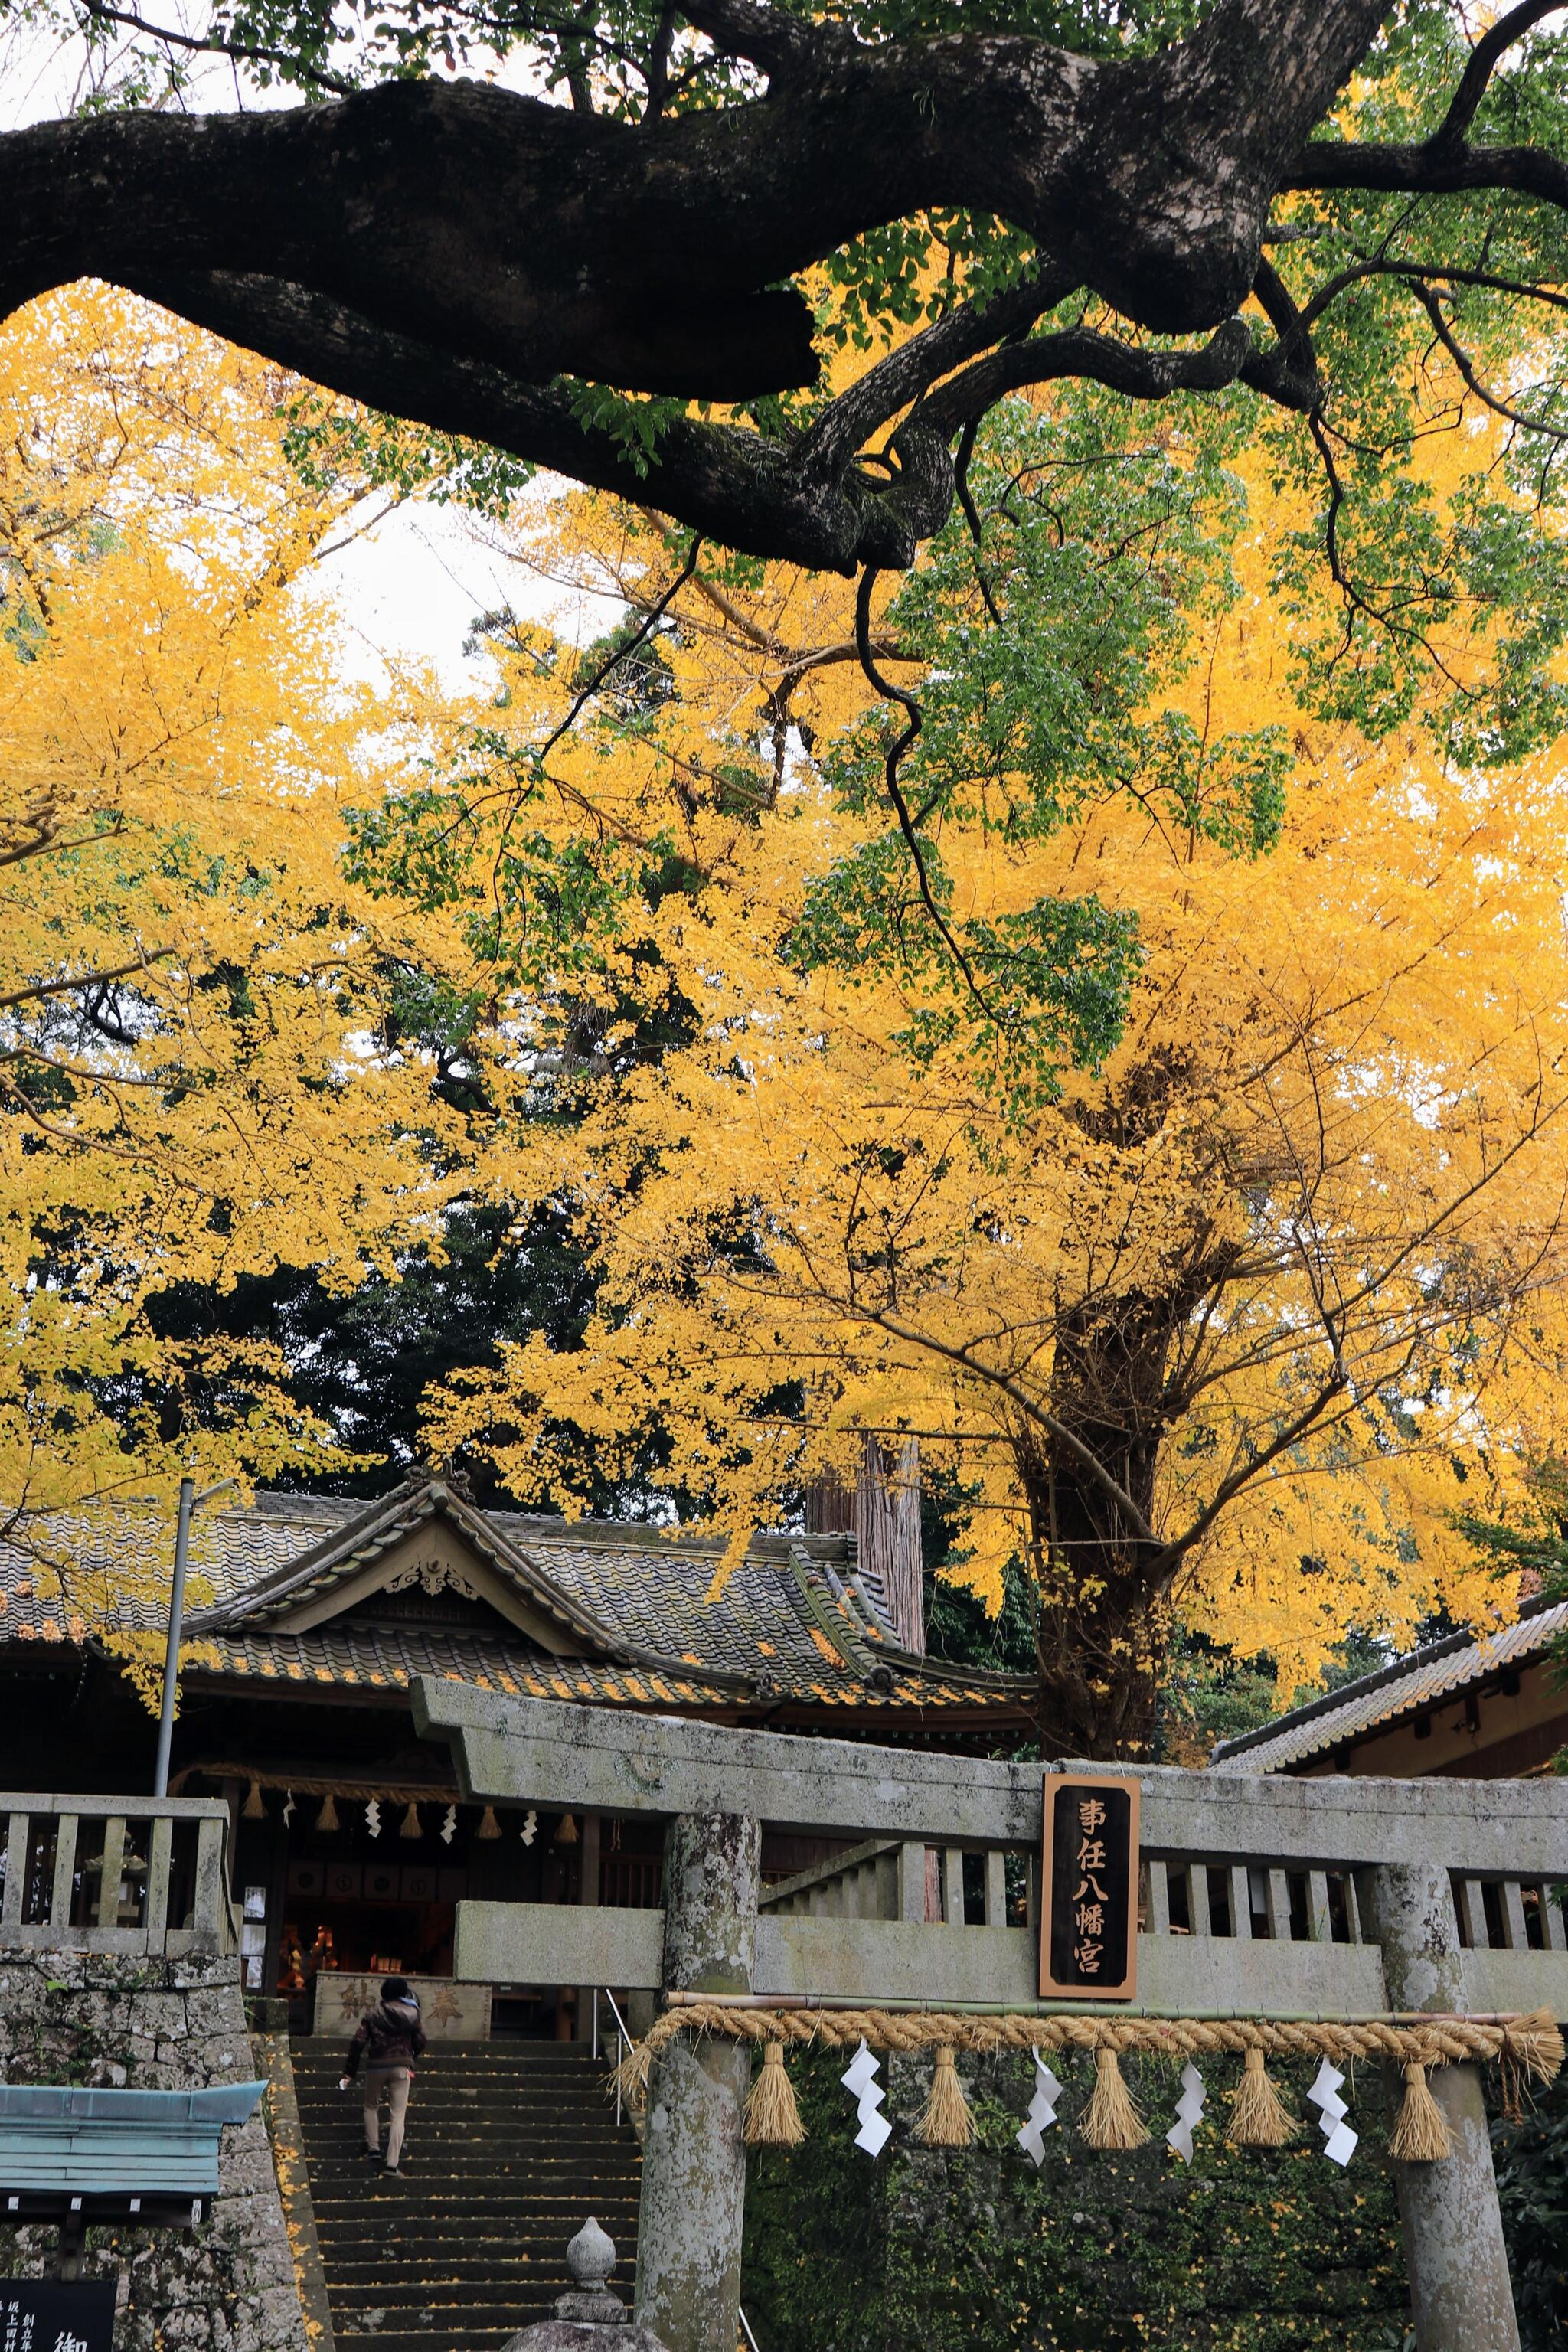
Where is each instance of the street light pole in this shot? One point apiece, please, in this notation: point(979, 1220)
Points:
point(189, 1499)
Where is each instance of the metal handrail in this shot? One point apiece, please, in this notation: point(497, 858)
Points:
point(621, 2032)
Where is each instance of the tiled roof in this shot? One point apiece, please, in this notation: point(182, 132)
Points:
point(1409, 1687)
point(340, 1553)
point(796, 1621)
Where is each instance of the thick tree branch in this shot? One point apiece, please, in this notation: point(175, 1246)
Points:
point(765, 36)
point(449, 251)
point(1427, 170)
point(1485, 58)
point(546, 242)
point(1124, 367)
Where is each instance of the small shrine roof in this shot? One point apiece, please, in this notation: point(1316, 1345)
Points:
point(1427, 1677)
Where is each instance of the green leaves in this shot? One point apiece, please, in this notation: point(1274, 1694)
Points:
point(330, 445)
point(1027, 993)
point(1050, 645)
point(539, 910)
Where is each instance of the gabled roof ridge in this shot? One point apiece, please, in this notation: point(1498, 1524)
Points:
point(1449, 1646)
point(851, 1646)
point(384, 1523)
point(356, 1529)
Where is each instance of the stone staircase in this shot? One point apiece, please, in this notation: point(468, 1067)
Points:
point(511, 2146)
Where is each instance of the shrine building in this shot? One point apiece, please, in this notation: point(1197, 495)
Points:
point(1472, 1707)
point(306, 1619)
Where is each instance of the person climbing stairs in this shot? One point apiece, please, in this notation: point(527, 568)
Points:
point(511, 2146)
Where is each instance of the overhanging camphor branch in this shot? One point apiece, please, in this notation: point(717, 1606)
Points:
point(449, 251)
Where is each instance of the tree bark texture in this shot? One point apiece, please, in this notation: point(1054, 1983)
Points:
point(1104, 1587)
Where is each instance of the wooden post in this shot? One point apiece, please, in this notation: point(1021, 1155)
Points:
point(694, 2154)
point(1460, 2294)
point(587, 1894)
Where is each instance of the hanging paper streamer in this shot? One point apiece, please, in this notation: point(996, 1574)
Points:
point(1189, 2111)
point(449, 1826)
point(530, 1826)
point(288, 1805)
point(1042, 2113)
point(372, 1816)
point(1338, 2140)
point(859, 2079)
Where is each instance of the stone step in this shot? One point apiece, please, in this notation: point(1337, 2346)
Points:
point(589, 2135)
point(511, 2262)
point(418, 2213)
point(509, 2149)
point(419, 2225)
point(443, 2339)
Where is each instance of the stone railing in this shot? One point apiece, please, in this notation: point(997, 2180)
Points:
point(139, 1874)
point(1178, 1896)
point(1202, 1900)
point(884, 1880)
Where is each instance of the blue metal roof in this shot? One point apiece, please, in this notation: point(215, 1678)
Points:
point(55, 2137)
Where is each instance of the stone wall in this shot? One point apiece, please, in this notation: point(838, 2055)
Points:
point(154, 2025)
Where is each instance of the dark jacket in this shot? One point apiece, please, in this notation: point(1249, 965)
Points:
point(390, 2036)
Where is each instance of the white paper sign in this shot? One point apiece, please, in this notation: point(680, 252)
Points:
point(1042, 2113)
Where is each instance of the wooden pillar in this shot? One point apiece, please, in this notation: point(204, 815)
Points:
point(587, 1893)
point(1461, 2297)
point(694, 2154)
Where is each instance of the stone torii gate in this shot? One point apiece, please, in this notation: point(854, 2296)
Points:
point(1338, 1897)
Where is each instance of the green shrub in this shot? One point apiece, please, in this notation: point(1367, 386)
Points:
point(975, 2251)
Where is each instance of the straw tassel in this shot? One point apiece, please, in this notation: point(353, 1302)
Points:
point(254, 1809)
point(327, 1818)
point(1421, 2134)
point(629, 2079)
point(488, 1826)
point(411, 1828)
point(772, 2117)
point(1259, 2116)
point(1110, 2120)
point(945, 2120)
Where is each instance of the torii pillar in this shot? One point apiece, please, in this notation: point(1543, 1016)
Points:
point(1461, 2298)
point(694, 2150)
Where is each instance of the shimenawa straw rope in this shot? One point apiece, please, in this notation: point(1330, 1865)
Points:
point(1528, 2046)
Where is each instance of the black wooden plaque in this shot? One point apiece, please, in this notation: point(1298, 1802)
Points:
point(1089, 1878)
point(52, 2315)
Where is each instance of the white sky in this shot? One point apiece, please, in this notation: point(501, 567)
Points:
point(413, 586)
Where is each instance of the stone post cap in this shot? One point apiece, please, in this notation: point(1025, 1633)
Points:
point(590, 2317)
